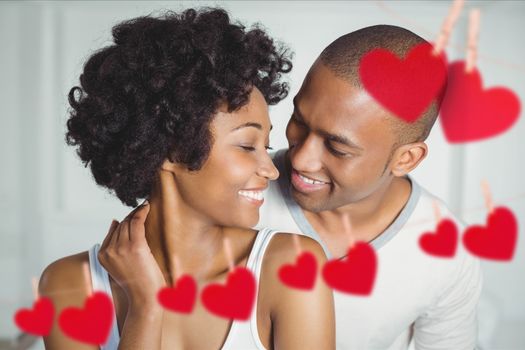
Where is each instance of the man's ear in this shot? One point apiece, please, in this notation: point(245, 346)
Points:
point(407, 157)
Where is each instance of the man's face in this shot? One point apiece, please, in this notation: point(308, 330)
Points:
point(340, 143)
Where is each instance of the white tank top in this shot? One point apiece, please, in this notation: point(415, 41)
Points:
point(243, 335)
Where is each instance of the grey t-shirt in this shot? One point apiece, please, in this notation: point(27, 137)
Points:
point(416, 296)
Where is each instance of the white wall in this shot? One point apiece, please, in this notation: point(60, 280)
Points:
point(50, 206)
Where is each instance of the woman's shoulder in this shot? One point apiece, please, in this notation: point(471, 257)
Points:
point(282, 248)
point(65, 278)
point(296, 312)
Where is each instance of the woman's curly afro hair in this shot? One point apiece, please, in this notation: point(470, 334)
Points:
point(152, 94)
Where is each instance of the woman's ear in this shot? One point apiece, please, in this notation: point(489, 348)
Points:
point(170, 166)
point(407, 158)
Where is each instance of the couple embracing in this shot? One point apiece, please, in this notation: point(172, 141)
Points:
point(175, 111)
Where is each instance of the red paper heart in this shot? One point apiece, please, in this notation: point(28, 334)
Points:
point(497, 240)
point(444, 242)
point(91, 324)
point(406, 87)
point(235, 299)
point(302, 274)
point(181, 297)
point(469, 113)
point(37, 321)
point(354, 274)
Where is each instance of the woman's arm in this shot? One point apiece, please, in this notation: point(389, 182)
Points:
point(63, 282)
point(300, 319)
point(126, 256)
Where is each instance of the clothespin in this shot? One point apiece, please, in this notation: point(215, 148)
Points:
point(448, 25)
point(437, 212)
point(488, 196)
point(297, 244)
point(348, 229)
point(87, 279)
point(34, 285)
point(228, 252)
point(472, 44)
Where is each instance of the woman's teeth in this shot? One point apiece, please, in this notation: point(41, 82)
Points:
point(257, 195)
point(310, 181)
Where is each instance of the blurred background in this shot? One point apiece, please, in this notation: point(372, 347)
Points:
point(50, 206)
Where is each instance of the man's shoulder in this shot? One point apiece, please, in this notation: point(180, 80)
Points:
point(424, 225)
point(430, 207)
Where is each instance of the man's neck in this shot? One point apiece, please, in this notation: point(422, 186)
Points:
point(368, 218)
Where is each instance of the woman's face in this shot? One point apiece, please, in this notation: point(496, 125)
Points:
point(228, 189)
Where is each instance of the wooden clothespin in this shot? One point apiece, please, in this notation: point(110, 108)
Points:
point(228, 252)
point(87, 279)
point(472, 43)
point(448, 25)
point(488, 196)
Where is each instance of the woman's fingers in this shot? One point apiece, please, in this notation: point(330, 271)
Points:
point(124, 225)
point(107, 239)
point(137, 229)
point(115, 236)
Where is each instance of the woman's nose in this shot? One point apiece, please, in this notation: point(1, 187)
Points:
point(267, 169)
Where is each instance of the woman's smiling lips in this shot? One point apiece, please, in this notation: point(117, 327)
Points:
point(254, 196)
point(305, 184)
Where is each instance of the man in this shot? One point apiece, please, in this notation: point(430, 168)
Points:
point(348, 161)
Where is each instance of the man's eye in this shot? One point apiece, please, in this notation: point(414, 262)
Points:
point(336, 152)
point(248, 148)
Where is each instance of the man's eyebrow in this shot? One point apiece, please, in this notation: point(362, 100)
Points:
point(340, 139)
point(331, 137)
point(250, 124)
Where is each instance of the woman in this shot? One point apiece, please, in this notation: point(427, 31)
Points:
point(175, 111)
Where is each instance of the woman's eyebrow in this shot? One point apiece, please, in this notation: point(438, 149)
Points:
point(250, 124)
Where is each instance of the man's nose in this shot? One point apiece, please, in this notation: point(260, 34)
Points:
point(306, 155)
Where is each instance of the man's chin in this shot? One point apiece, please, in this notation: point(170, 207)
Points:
point(306, 201)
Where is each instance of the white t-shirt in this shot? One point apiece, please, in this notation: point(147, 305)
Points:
point(418, 297)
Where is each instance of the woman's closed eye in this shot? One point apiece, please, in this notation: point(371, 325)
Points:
point(248, 148)
point(252, 148)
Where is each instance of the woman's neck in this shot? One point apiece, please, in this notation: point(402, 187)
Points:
point(173, 229)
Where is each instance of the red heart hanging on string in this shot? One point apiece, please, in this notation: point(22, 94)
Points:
point(90, 324)
point(302, 274)
point(406, 87)
point(444, 242)
point(497, 240)
point(235, 299)
point(37, 321)
point(469, 113)
point(181, 297)
point(354, 274)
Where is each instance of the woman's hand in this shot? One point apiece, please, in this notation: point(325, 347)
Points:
point(126, 256)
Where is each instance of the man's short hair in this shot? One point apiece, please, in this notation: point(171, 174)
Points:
point(344, 55)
